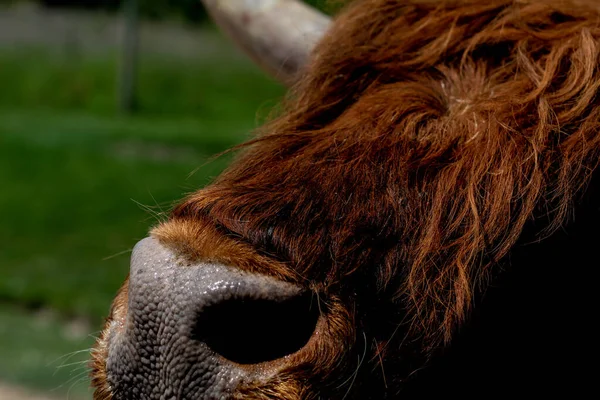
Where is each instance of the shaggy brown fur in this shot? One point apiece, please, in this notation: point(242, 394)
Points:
point(421, 139)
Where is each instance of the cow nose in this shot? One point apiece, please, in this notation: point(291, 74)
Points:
point(250, 330)
point(191, 326)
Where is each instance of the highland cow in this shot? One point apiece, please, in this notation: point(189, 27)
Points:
point(421, 218)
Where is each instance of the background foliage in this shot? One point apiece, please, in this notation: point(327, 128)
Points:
point(188, 10)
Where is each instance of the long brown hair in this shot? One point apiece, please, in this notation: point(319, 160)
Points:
point(421, 139)
point(406, 162)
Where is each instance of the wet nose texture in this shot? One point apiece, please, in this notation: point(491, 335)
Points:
point(189, 326)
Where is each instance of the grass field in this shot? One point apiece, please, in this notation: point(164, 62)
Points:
point(44, 352)
point(81, 184)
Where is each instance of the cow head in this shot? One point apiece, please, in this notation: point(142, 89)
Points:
point(421, 146)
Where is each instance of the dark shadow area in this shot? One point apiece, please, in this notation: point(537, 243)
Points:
point(248, 331)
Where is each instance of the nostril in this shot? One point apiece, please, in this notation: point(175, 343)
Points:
point(251, 331)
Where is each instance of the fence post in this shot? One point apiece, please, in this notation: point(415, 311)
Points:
point(129, 56)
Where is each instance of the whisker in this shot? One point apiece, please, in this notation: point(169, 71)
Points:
point(68, 356)
point(117, 254)
point(355, 374)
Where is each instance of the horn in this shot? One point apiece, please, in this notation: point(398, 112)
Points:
point(278, 34)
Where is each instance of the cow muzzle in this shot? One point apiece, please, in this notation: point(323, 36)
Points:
point(198, 330)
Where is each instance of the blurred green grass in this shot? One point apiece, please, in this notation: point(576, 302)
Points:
point(81, 183)
point(215, 87)
point(45, 353)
